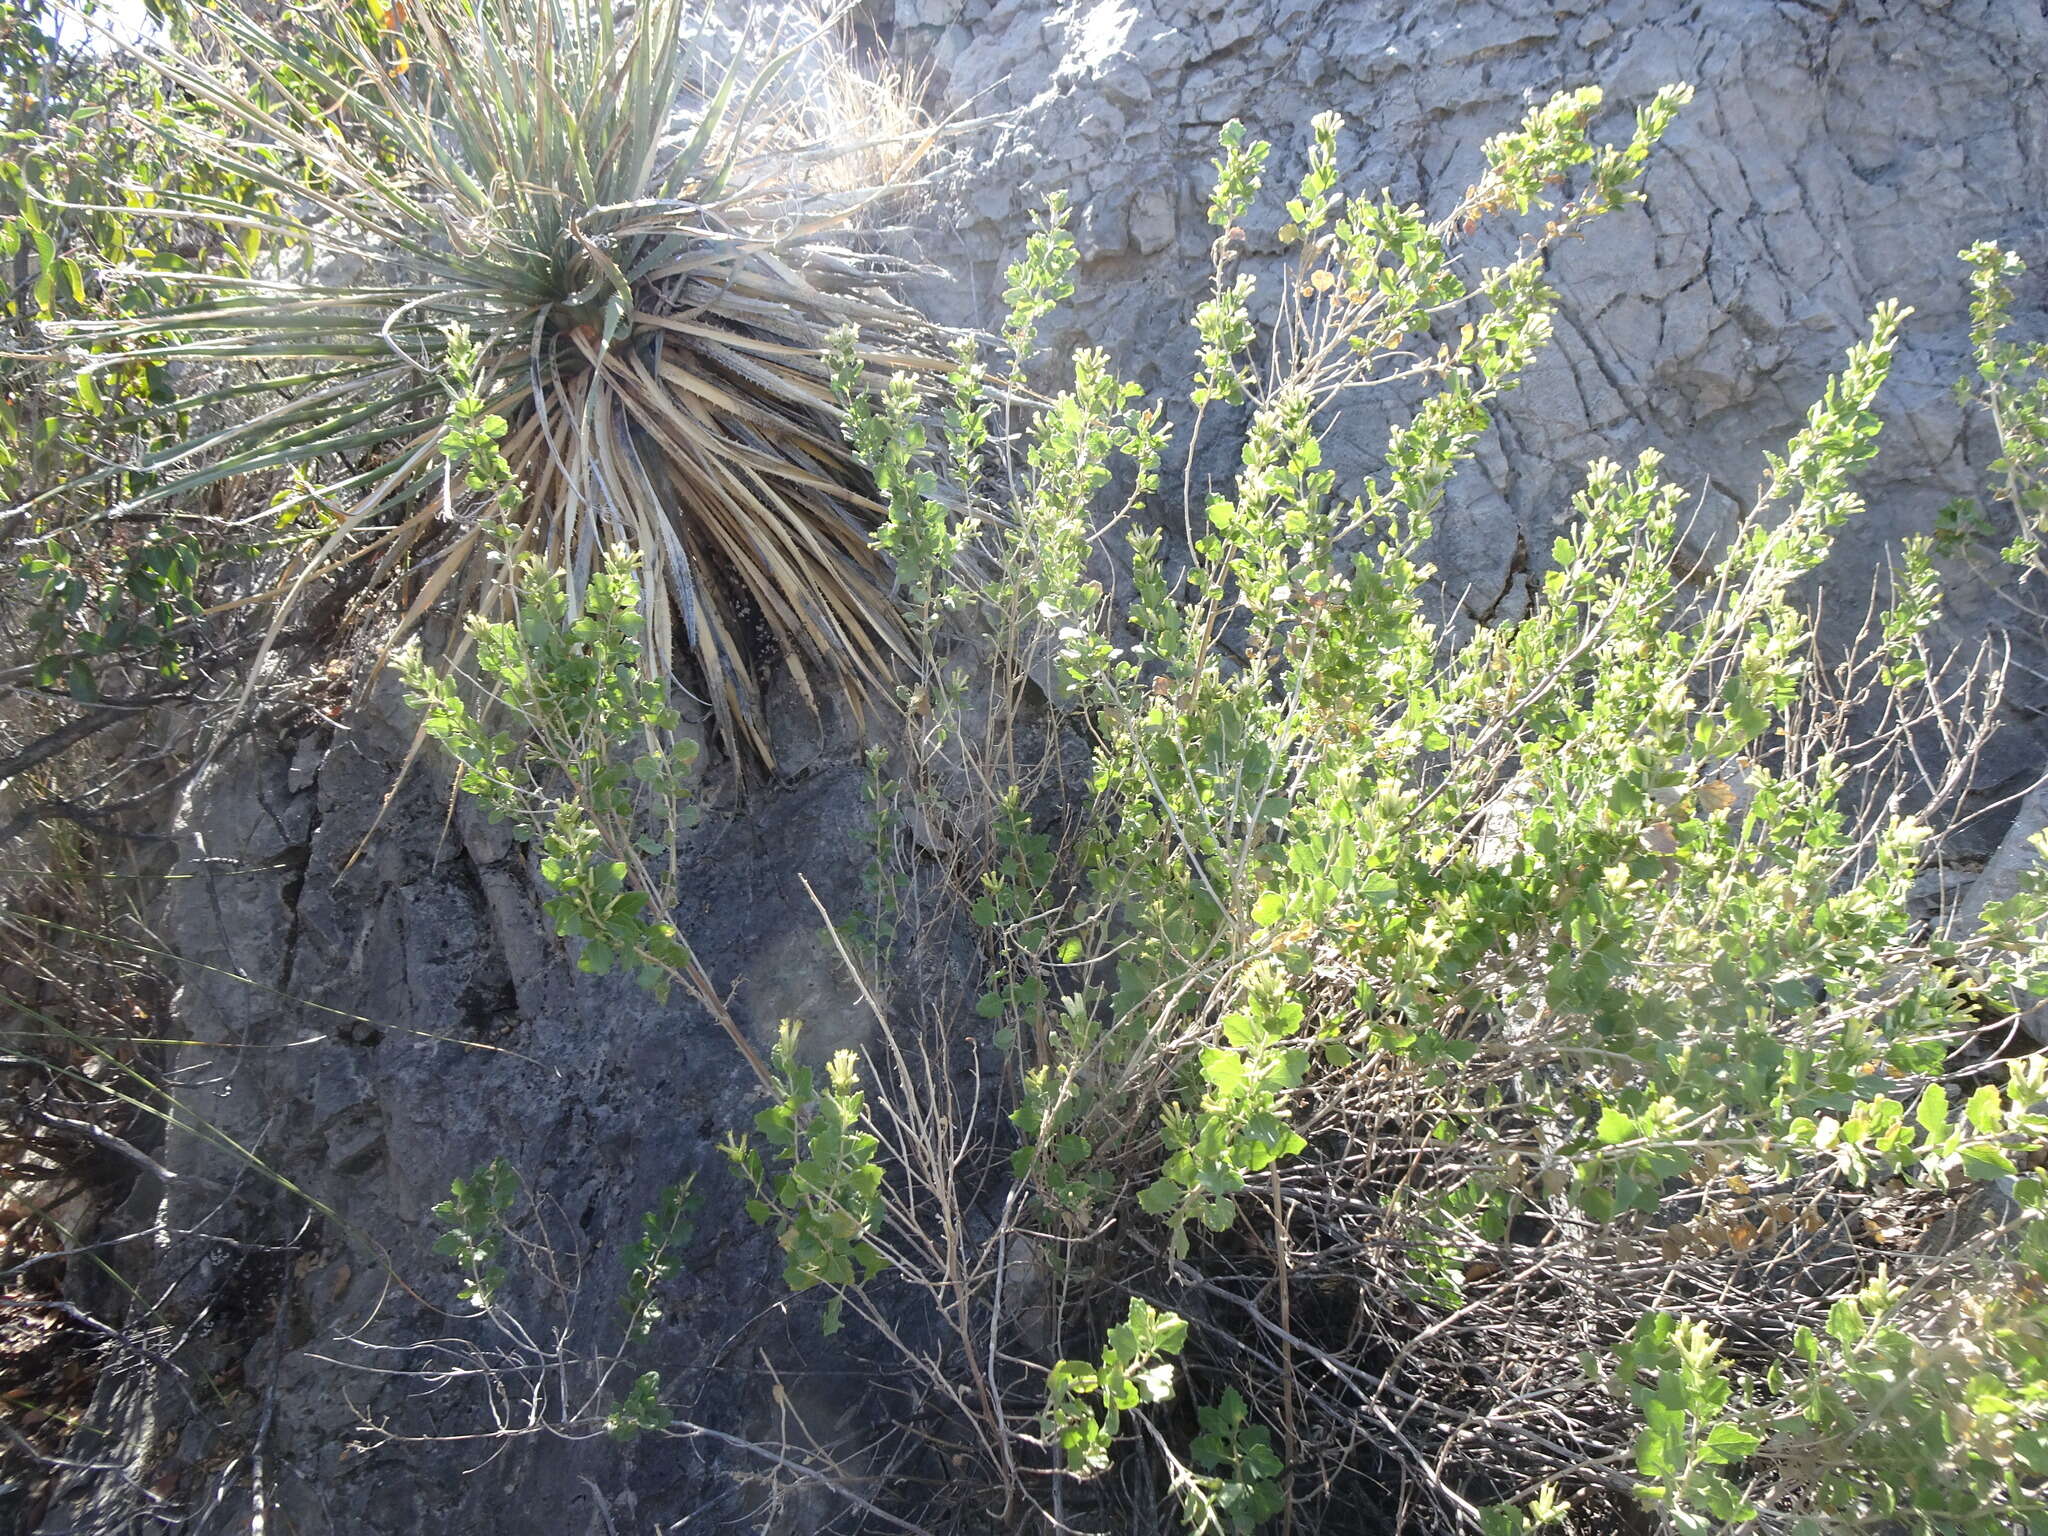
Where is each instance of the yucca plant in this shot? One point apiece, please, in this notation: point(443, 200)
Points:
point(623, 212)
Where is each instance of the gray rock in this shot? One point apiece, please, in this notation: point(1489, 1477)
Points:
point(370, 1028)
point(1152, 218)
point(1829, 162)
point(2017, 858)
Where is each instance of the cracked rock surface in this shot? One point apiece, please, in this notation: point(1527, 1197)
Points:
point(382, 1007)
point(377, 1005)
point(1835, 155)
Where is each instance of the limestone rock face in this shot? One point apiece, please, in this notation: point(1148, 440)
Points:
point(376, 1005)
point(1836, 155)
point(384, 1006)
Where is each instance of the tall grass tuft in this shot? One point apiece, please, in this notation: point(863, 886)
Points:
point(630, 219)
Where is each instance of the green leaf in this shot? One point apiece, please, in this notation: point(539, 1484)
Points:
point(1932, 1111)
point(1159, 1197)
point(1985, 1110)
point(1728, 1443)
point(1660, 1446)
point(1154, 1383)
point(1223, 1070)
point(1986, 1162)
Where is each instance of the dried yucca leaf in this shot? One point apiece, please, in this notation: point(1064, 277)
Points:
point(625, 216)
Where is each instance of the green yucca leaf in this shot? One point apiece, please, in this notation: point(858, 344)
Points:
point(612, 208)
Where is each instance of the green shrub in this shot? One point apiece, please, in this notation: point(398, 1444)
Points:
point(1512, 1048)
point(87, 168)
point(826, 1196)
point(1436, 1007)
point(474, 1214)
point(1084, 1403)
point(2009, 383)
point(593, 771)
point(557, 1385)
